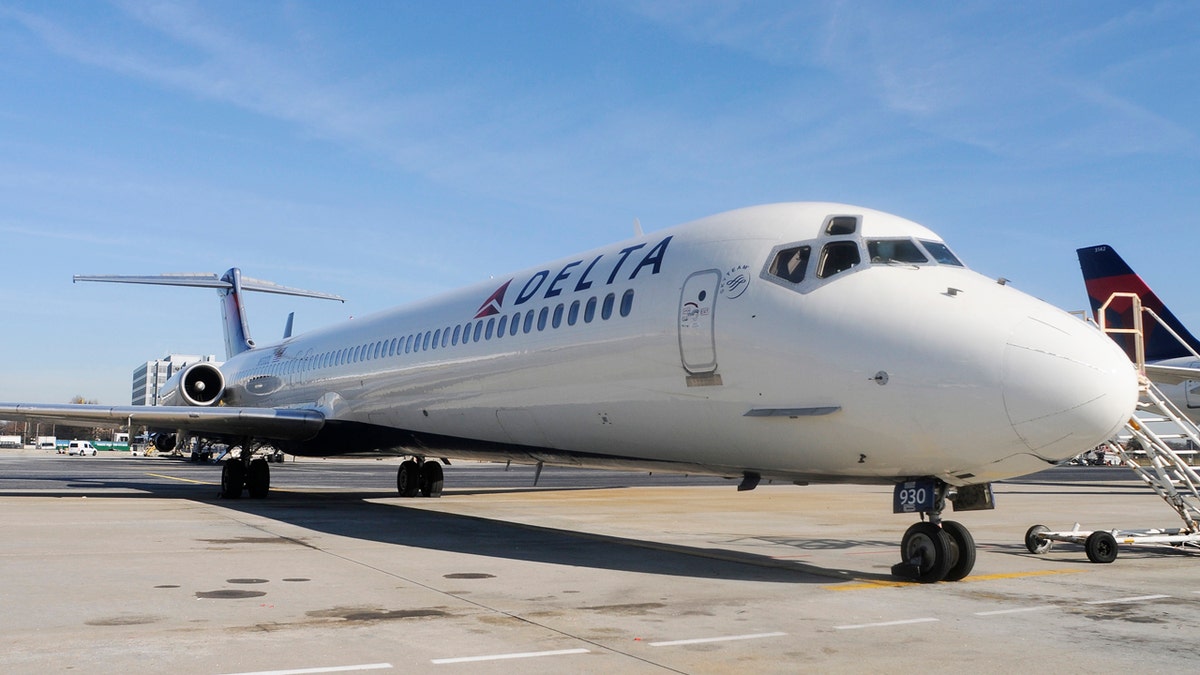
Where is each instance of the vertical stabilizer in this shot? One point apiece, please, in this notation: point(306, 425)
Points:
point(1105, 273)
point(233, 315)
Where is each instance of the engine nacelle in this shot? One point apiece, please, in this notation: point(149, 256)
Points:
point(164, 442)
point(200, 384)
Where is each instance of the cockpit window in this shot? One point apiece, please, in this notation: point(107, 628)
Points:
point(895, 251)
point(838, 256)
point(841, 225)
point(791, 263)
point(941, 253)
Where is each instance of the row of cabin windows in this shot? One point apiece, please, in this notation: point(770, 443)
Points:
point(475, 331)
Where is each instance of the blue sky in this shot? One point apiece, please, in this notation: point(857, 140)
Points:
point(388, 151)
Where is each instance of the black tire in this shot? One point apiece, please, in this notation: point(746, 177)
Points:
point(432, 479)
point(408, 479)
point(961, 539)
point(233, 479)
point(258, 478)
point(1036, 544)
point(1101, 547)
point(929, 548)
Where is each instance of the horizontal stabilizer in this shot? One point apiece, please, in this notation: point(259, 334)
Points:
point(206, 281)
point(229, 287)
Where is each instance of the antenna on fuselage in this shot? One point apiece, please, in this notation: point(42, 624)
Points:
point(637, 228)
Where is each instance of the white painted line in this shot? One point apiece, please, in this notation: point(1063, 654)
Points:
point(332, 669)
point(500, 657)
point(1137, 598)
point(1014, 611)
point(885, 623)
point(726, 638)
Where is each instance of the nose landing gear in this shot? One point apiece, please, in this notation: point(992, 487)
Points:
point(937, 550)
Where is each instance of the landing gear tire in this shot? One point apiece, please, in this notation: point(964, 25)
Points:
point(964, 550)
point(1101, 547)
point(432, 479)
point(927, 553)
point(408, 479)
point(258, 478)
point(1035, 544)
point(233, 478)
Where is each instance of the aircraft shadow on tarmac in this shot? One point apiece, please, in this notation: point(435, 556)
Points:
point(354, 514)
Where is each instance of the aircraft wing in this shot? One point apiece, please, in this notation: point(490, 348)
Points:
point(273, 423)
point(1171, 374)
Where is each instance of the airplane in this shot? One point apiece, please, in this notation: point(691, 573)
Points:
point(1173, 364)
point(796, 342)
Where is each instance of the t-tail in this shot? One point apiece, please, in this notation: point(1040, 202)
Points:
point(230, 287)
point(1105, 273)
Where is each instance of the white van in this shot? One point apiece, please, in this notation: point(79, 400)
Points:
point(81, 448)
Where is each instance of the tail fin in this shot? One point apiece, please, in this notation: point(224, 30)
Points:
point(1105, 273)
point(230, 287)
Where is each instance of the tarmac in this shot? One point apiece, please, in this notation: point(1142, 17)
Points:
point(134, 565)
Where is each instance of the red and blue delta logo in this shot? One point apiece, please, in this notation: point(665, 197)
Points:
point(494, 303)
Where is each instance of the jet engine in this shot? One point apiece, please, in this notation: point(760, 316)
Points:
point(200, 384)
point(164, 442)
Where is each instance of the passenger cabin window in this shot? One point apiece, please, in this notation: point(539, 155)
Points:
point(941, 253)
point(627, 303)
point(607, 308)
point(894, 251)
point(838, 256)
point(841, 225)
point(791, 263)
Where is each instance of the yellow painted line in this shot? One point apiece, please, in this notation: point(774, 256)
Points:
point(204, 482)
point(865, 585)
point(182, 480)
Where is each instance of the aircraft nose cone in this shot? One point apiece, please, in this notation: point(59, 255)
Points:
point(1067, 387)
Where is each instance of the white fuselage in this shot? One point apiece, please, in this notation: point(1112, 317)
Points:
point(692, 346)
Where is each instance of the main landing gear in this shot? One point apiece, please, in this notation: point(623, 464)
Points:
point(420, 477)
point(245, 472)
point(937, 550)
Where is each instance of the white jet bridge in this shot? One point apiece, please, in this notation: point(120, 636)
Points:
point(1163, 468)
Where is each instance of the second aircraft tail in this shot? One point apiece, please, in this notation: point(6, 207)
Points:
point(1105, 273)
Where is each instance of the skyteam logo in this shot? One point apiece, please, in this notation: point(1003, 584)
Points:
point(737, 280)
point(494, 303)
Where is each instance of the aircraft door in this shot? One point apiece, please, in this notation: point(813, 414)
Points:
point(697, 337)
point(1192, 395)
